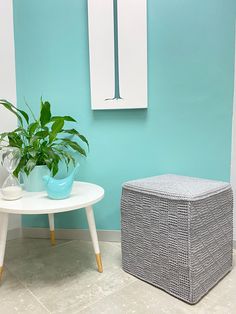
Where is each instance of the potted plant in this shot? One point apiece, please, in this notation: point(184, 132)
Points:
point(43, 143)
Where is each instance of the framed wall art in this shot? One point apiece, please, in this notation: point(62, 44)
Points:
point(118, 53)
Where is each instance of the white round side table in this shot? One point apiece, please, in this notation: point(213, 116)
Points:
point(84, 195)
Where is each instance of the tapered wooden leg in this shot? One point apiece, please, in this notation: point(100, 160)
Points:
point(1, 272)
point(3, 239)
point(52, 228)
point(99, 262)
point(94, 237)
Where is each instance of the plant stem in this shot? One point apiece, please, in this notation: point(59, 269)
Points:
point(30, 110)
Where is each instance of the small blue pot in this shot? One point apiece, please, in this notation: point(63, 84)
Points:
point(34, 181)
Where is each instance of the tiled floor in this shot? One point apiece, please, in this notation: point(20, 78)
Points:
point(42, 279)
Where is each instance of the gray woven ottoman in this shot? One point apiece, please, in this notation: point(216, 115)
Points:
point(177, 233)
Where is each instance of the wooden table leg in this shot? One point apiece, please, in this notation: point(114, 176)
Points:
point(52, 228)
point(93, 233)
point(3, 238)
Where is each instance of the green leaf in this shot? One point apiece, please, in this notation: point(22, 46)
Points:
point(54, 168)
point(48, 163)
point(75, 146)
point(32, 128)
point(3, 135)
point(21, 132)
point(56, 128)
point(24, 114)
point(32, 152)
point(66, 156)
point(45, 113)
point(31, 163)
point(34, 140)
point(14, 140)
point(75, 132)
point(10, 107)
point(65, 118)
point(20, 166)
point(7, 104)
point(41, 134)
point(83, 138)
point(52, 159)
point(41, 142)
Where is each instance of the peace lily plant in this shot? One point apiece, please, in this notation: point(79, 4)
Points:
point(43, 141)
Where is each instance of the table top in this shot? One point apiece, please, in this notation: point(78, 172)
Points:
point(83, 194)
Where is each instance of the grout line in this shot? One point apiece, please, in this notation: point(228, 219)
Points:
point(61, 244)
point(116, 244)
point(49, 247)
point(36, 298)
point(68, 308)
point(26, 288)
point(109, 295)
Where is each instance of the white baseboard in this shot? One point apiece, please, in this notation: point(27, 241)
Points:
point(69, 234)
point(72, 234)
point(14, 234)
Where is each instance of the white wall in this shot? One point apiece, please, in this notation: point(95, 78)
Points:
point(233, 155)
point(7, 79)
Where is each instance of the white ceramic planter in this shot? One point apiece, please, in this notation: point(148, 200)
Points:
point(34, 181)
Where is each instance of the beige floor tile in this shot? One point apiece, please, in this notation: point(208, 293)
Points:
point(27, 247)
point(14, 298)
point(66, 277)
point(118, 244)
point(65, 280)
point(140, 297)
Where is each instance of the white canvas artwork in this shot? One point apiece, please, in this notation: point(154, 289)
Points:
point(118, 53)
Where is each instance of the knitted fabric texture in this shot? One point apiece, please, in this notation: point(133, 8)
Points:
point(177, 233)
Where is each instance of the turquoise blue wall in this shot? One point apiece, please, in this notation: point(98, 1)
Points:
point(187, 127)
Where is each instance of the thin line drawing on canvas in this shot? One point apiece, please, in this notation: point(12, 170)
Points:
point(116, 54)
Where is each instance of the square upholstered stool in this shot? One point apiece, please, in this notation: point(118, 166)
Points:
point(177, 233)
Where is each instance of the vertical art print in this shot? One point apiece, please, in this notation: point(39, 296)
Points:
point(118, 53)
